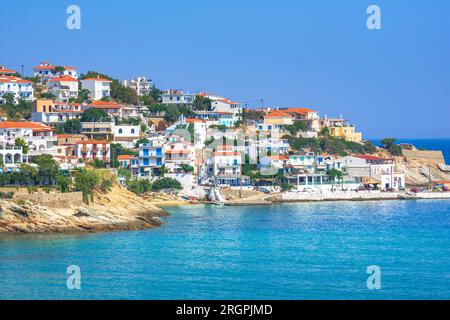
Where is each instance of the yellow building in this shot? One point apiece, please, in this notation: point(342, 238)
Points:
point(340, 128)
point(347, 132)
point(42, 105)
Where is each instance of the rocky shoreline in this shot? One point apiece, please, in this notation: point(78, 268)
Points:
point(118, 210)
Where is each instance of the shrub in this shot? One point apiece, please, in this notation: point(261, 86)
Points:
point(106, 185)
point(140, 186)
point(166, 183)
point(86, 181)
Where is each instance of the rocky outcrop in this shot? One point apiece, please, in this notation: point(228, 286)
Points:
point(116, 210)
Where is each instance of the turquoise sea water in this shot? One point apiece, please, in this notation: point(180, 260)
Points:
point(290, 251)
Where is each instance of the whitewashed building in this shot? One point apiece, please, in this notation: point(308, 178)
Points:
point(19, 88)
point(99, 88)
point(141, 85)
point(63, 88)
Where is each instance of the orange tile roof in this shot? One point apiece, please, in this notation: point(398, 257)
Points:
point(6, 71)
point(48, 67)
point(298, 110)
point(97, 79)
point(280, 157)
point(63, 79)
point(35, 126)
point(69, 68)
point(10, 79)
point(126, 157)
point(105, 105)
point(278, 114)
point(192, 120)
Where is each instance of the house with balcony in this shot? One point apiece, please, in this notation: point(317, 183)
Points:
point(129, 162)
point(91, 150)
point(178, 98)
point(177, 154)
point(113, 109)
point(69, 71)
point(99, 88)
point(63, 88)
point(54, 113)
point(19, 88)
point(151, 157)
point(225, 167)
point(98, 130)
point(340, 128)
point(302, 162)
point(45, 71)
point(141, 85)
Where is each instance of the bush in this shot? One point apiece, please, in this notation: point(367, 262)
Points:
point(140, 186)
point(6, 195)
point(166, 183)
point(106, 185)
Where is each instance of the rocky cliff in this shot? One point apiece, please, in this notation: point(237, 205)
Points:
point(116, 210)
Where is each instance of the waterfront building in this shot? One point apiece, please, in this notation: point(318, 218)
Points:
point(302, 162)
point(151, 157)
point(381, 170)
point(10, 156)
point(19, 88)
point(99, 88)
point(141, 85)
point(63, 87)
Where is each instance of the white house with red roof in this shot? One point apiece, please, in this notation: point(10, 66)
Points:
point(98, 87)
point(70, 71)
point(63, 87)
point(38, 136)
point(112, 108)
point(7, 72)
point(45, 70)
point(19, 88)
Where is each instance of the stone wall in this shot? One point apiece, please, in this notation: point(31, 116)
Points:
point(53, 200)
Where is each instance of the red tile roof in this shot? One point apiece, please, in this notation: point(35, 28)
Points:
point(63, 79)
point(105, 105)
point(278, 114)
point(126, 157)
point(10, 79)
point(298, 110)
point(35, 126)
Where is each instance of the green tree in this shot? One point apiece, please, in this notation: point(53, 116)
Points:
point(48, 169)
point(335, 175)
point(86, 181)
point(187, 168)
point(95, 115)
point(390, 145)
point(22, 143)
point(47, 95)
point(140, 186)
point(8, 98)
point(166, 183)
point(70, 127)
point(30, 174)
point(202, 103)
point(64, 183)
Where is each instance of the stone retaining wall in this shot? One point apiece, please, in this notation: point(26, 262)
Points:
point(54, 200)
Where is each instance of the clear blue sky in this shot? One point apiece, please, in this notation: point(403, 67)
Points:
point(317, 53)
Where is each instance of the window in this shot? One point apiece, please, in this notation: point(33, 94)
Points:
point(132, 131)
point(120, 131)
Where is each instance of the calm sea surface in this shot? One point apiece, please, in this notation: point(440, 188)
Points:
point(290, 251)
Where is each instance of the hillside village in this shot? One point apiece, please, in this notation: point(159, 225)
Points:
point(198, 143)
